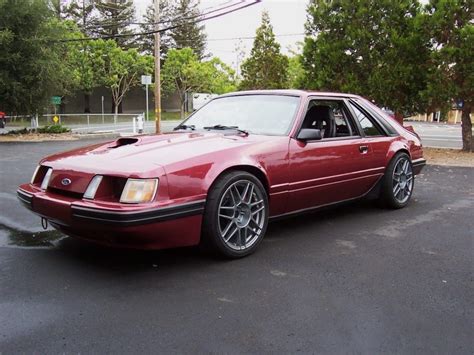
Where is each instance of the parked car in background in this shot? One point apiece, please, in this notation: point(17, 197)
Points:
point(241, 160)
point(3, 119)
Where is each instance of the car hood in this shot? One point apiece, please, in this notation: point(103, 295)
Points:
point(137, 155)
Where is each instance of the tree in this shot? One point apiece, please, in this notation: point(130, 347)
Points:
point(220, 76)
point(88, 61)
point(451, 75)
point(372, 48)
point(147, 43)
point(31, 68)
point(123, 69)
point(181, 73)
point(81, 12)
point(266, 68)
point(296, 73)
point(184, 73)
point(115, 18)
point(68, 70)
point(189, 33)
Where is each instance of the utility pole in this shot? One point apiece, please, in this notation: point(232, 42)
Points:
point(157, 69)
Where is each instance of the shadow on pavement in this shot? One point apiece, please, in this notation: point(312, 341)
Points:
point(289, 230)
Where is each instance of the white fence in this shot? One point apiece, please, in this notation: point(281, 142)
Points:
point(71, 120)
point(93, 123)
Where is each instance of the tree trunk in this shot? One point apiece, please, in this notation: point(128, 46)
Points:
point(182, 110)
point(398, 117)
point(116, 107)
point(87, 103)
point(466, 128)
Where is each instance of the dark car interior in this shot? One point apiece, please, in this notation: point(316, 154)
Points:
point(330, 118)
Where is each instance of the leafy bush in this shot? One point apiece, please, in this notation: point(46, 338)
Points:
point(55, 129)
point(17, 131)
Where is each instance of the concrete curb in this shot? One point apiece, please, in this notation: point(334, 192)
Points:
point(104, 135)
point(73, 137)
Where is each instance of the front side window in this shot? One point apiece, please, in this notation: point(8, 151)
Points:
point(369, 128)
point(330, 117)
point(258, 114)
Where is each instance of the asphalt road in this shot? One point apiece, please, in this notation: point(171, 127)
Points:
point(438, 135)
point(356, 279)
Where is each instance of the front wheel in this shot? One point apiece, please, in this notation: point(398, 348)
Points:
point(236, 215)
point(398, 182)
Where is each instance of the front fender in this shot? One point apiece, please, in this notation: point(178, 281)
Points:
point(195, 177)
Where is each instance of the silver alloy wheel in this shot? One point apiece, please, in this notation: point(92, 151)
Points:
point(402, 180)
point(241, 215)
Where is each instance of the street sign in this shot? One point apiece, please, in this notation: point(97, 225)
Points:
point(146, 79)
point(56, 119)
point(56, 100)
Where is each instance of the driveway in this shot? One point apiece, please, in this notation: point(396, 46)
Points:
point(356, 279)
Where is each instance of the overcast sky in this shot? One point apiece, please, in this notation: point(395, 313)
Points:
point(287, 17)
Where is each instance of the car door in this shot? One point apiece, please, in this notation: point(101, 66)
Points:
point(338, 167)
point(379, 135)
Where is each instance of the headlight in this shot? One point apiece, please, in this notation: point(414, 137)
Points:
point(34, 174)
point(93, 186)
point(45, 183)
point(139, 190)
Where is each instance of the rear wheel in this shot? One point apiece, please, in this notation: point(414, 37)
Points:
point(398, 182)
point(236, 215)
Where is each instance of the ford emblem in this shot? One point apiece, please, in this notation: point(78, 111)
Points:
point(66, 181)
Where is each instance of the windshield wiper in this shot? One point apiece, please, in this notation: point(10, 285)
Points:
point(223, 127)
point(184, 126)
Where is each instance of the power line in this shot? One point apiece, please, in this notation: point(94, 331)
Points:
point(246, 37)
point(160, 30)
point(105, 24)
point(191, 17)
point(253, 37)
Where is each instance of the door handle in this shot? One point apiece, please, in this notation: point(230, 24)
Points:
point(363, 149)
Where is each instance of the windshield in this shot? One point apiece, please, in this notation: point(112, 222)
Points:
point(258, 114)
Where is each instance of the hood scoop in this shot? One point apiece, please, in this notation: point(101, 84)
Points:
point(123, 141)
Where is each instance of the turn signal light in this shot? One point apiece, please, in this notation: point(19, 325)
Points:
point(93, 186)
point(139, 190)
point(47, 176)
point(34, 174)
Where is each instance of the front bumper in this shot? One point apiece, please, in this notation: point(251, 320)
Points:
point(163, 226)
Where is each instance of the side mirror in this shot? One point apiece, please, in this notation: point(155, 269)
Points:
point(309, 134)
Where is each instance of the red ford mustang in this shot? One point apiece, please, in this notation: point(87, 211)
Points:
point(240, 160)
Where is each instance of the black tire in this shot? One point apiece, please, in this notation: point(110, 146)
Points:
point(389, 197)
point(2, 123)
point(213, 223)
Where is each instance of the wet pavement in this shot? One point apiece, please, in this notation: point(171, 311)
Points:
point(355, 279)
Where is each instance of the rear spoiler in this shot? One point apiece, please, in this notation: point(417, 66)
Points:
point(411, 130)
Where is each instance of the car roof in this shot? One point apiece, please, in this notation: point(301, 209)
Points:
point(300, 93)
